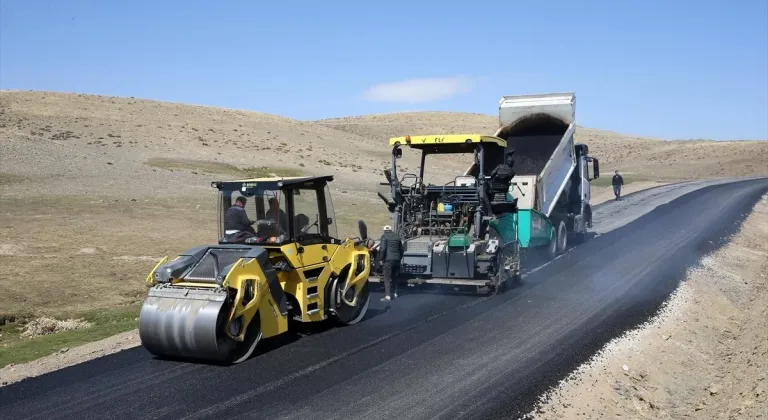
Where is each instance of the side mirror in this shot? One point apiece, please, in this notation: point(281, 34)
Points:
point(398, 153)
point(596, 168)
point(363, 230)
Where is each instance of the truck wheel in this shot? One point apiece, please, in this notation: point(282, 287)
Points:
point(552, 248)
point(562, 238)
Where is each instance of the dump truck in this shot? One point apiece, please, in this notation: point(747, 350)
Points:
point(216, 302)
point(462, 234)
point(552, 180)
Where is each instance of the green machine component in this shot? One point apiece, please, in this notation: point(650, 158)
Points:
point(528, 227)
point(459, 240)
point(533, 229)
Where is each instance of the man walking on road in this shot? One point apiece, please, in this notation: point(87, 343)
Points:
point(617, 182)
point(390, 252)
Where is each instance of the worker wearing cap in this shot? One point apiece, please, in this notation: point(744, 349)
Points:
point(390, 252)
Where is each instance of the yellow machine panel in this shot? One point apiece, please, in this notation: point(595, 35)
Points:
point(445, 139)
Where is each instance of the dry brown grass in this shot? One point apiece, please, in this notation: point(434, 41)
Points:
point(93, 189)
point(67, 254)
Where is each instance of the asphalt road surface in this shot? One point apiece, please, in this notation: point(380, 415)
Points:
point(428, 355)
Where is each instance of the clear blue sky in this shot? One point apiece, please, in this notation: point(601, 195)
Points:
point(666, 68)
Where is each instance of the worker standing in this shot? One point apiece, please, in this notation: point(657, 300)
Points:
point(617, 182)
point(390, 252)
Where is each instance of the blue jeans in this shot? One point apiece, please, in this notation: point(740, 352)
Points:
point(617, 191)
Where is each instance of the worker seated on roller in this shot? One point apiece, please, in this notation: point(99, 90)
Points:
point(237, 225)
point(301, 222)
point(277, 214)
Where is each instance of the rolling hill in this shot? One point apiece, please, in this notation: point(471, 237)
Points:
point(93, 181)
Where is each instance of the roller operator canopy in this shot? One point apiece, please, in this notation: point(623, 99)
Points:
point(274, 184)
point(448, 143)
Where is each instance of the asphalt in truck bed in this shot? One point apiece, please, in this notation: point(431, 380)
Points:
point(428, 355)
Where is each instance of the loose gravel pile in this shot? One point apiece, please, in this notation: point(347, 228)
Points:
point(45, 326)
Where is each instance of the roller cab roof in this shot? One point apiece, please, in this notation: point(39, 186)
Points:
point(274, 183)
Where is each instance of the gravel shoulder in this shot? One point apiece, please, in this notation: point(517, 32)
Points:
point(705, 356)
point(69, 357)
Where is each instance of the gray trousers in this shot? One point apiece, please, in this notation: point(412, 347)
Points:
point(390, 270)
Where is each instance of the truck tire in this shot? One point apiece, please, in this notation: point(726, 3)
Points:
point(552, 247)
point(562, 238)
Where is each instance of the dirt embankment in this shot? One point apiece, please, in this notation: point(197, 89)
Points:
point(704, 357)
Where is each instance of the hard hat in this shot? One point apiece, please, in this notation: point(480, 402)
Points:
point(387, 228)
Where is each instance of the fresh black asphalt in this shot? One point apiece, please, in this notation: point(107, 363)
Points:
point(428, 355)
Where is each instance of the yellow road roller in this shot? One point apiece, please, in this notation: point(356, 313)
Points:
point(278, 258)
